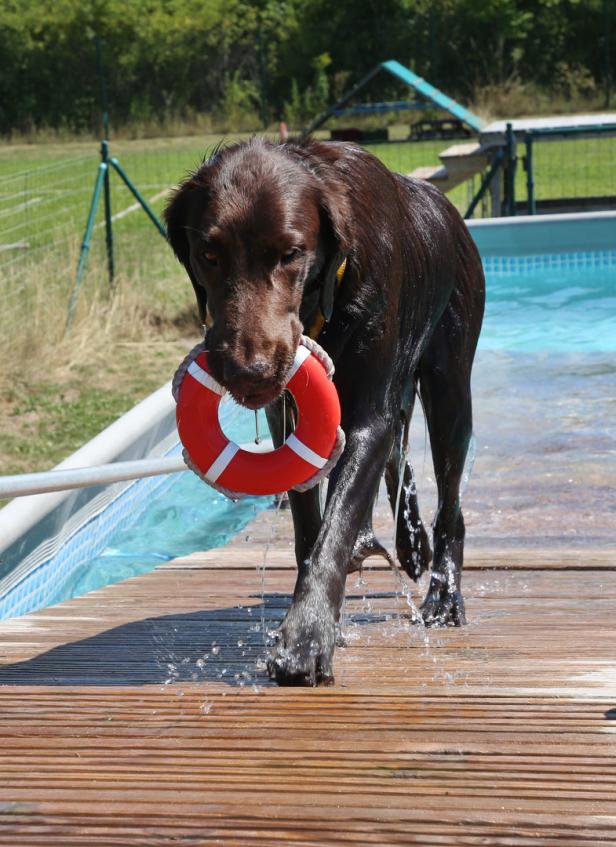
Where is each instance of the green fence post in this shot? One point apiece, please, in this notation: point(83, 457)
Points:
point(510, 172)
point(530, 176)
point(108, 218)
point(85, 244)
point(485, 184)
point(138, 197)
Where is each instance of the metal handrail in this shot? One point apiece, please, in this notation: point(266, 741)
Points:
point(590, 130)
point(40, 483)
point(20, 485)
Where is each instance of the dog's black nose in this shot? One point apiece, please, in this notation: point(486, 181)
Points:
point(246, 374)
point(253, 384)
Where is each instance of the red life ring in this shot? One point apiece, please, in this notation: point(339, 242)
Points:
point(225, 463)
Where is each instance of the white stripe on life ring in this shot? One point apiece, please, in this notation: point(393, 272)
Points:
point(301, 354)
point(221, 463)
point(304, 452)
point(197, 372)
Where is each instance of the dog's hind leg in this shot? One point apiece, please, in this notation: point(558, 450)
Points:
point(445, 371)
point(305, 507)
point(412, 544)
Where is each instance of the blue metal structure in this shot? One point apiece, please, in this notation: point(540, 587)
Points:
point(428, 94)
point(376, 108)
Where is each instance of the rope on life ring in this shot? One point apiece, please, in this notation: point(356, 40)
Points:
point(218, 461)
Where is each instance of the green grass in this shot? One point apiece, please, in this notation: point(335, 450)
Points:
point(54, 424)
point(576, 168)
point(45, 417)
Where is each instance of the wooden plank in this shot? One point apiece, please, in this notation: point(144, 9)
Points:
point(140, 714)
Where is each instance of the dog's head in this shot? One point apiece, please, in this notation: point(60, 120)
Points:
point(261, 234)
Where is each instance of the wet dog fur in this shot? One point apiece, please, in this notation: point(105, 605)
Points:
point(262, 229)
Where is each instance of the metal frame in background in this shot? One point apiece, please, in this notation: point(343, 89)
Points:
point(486, 182)
point(506, 157)
point(102, 184)
point(429, 97)
point(532, 135)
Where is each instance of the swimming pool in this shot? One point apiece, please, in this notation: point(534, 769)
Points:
point(150, 521)
point(545, 405)
point(559, 309)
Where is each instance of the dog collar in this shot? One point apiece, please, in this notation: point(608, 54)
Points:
point(315, 330)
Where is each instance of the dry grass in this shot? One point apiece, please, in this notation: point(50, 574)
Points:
point(57, 390)
point(515, 99)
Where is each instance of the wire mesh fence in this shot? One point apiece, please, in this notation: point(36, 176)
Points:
point(568, 173)
point(44, 207)
point(43, 211)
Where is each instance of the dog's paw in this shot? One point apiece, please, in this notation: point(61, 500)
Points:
point(443, 605)
point(304, 651)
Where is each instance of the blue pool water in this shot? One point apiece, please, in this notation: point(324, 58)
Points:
point(562, 310)
point(544, 386)
point(185, 516)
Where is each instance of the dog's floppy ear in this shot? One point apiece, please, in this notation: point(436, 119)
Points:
point(336, 238)
point(177, 214)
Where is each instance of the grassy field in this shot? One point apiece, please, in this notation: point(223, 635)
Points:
point(57, 391)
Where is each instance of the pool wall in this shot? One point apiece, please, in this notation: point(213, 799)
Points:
point(534, 241)
point(34, 529)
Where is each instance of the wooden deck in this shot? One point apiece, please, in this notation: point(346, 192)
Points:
point(136, 715)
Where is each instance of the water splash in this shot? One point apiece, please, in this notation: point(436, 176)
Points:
point(469, 463)
point(404, 452)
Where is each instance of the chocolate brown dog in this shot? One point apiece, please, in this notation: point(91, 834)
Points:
point(263, 231)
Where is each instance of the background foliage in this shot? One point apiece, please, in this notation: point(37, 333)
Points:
point(244, 63)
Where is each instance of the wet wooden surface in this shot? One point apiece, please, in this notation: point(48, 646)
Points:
point(139, 715)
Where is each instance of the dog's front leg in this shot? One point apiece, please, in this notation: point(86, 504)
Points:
point(305, 507)
point(304, 652)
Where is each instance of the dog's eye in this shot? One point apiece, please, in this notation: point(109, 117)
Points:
point(210, 258)
point(290, 255)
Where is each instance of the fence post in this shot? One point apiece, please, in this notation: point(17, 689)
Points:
point(510, 170)
point(108, 219)
point(138, 196)
point(530, 176)
point(85, 244)
point(486, 182)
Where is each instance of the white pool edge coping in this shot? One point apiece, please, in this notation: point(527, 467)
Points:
point(564, 217)
point(21, 514)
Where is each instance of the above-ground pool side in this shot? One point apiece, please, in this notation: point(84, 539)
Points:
point(544, 235)
point(134, 435)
